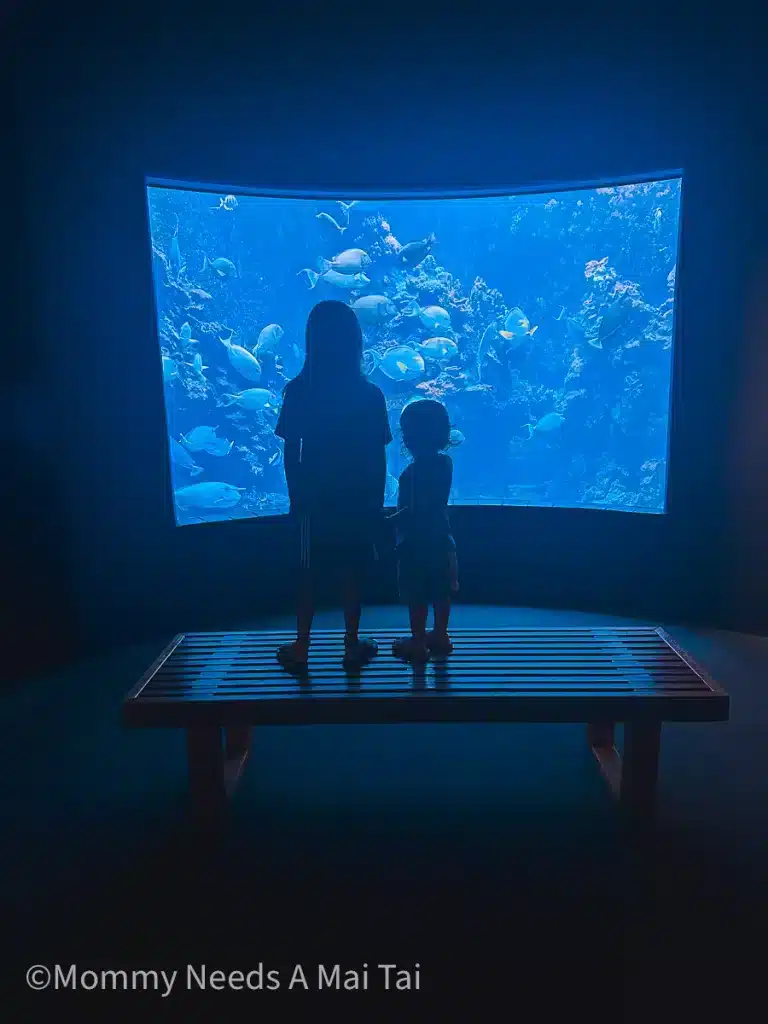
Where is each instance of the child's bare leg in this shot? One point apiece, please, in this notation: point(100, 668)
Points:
point(438, 640)
point(305, 611)
point(352, 606)
point(357, 652)
point(442, 616)
point(418, 616)
point(294, 656)
point(414, 647)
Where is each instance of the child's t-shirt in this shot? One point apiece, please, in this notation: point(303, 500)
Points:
point(422, 500)
point(342, 433)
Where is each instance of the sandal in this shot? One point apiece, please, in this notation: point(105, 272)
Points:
point(408, 648)
point(359, 652)
point(294, 657)
point(439, 643)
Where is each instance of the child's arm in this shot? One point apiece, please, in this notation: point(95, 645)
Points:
point(292, 462)
point(289, 428)
point(380, 462)
point(380, 470)
point(446, 479)
point(403, 489)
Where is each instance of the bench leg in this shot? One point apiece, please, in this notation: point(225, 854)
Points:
point(206, 766)
point(639, 775)
point(633, 777)
point(237, 749)
point(601, 737)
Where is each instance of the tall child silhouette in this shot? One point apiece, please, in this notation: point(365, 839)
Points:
point(335, 427)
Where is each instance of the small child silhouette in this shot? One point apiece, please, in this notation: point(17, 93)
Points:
point(426, 551)
point(335, 427)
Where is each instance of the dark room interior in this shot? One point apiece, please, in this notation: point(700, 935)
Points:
point(486, 854)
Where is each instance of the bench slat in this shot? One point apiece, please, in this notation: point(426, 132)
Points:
point(574, 674)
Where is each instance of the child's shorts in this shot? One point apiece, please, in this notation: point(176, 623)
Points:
point(425, 575)
point(325, 553)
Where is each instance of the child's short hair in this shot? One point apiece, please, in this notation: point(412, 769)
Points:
point(425, 427)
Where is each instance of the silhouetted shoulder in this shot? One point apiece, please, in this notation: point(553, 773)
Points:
point(372, 392)
point(291, 422)
point(444, 474)
point(374, 397)
point(440, 469)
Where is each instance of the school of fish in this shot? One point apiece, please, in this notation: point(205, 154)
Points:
point(424, 337)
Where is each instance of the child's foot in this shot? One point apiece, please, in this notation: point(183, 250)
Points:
point(358, 651)
point(411, 648)
point(439, 643)
point(294, 657)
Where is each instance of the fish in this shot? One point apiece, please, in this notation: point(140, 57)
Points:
point(176, 263)
point(269, 338)
point(213, 494)
point(434, 317)
point(254, 399)
point(182, 458)
point(413, 253)
point(346, 207)
point(351, 261)
point(399, 363)
point(198, 438)
point(222, 266)
point(185, 335)
point(486, 347)
point(170, 370)
point(243, 361)
point(390, 488)
point(457, 437)
point(219, 446)
point(412, 399)
point(333, 277)
point(226, 203)
point(546, 425)
point(205, 439)
point(373, 309)
point(200, 293)
point(611, 321)
point(439, 348)
point(575, 330)
point(326, 218)
point(197, 366)
point(517, 327)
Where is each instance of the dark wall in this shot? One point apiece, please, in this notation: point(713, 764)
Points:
point(358, 100)
point(39, 616)
point(746, 551)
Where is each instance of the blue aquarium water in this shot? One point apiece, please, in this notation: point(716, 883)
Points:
point(545, 323)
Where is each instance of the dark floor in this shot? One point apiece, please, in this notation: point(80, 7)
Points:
point(486, 854)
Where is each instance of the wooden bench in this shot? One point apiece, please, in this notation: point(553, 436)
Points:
point(217, 686)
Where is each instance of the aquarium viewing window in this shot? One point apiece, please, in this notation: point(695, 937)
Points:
point(543, 321)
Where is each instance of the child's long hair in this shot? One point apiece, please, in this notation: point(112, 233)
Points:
point(334, 346)
point(425, 427)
